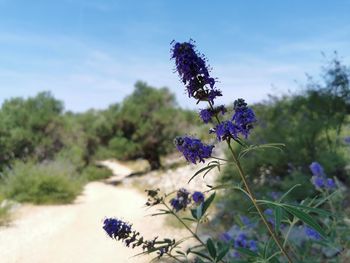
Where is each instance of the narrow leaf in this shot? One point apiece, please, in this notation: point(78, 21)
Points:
point(278, 218)
point(202, 170)
point(306, 218)
point(207, 203)
point(222, 253)
point(247, 252)
point(200, 254)
point(211, 248)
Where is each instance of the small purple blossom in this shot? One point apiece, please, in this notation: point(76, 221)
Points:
point(330, 184)
point(227, 237)
point(206, 115)
point(212, 94)
point(318, 181)
point(243, 117)
point(181, 201)
point(268, 212)
point(198, 197)
point(316, 169)
point(347, 139)
point(245, 220)
point(225, 130)
point(193, 149)
point(117, 229)
point(312, 233)
point(241, 240)
point(253, 245)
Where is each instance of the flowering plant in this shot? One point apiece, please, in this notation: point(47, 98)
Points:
point(282, 220)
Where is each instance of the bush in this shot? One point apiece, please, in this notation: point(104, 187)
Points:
point(53, 182)
point(92, 173)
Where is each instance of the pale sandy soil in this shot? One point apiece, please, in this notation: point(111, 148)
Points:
point(73, 233)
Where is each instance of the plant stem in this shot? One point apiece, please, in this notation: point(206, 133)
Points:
point(288, 232)
point(252, 197)
point(241, 173)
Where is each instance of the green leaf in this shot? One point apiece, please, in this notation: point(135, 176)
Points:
point(194, 213)
point(207, 203)
point(306, 218)
point(286, 193)
point(180, 252)
point(160, 213)
point(222, 253)
point(250, 148)
point(311, 209)
point(278, 218)
point(189, 219)
point(211, 248)
point(199, 211)
point(202, 170)
point(199, 254)
point(247, 252)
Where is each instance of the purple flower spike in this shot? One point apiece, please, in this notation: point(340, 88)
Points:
point(244, 117)
point(193, 149)
point(194, 72)
point(116, 229)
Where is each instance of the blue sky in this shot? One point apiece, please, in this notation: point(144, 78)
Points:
point(90, 53)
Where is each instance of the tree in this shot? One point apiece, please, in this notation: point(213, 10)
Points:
point(147, 124)
point(30, 127)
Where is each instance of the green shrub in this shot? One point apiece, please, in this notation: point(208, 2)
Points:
point(93, 173)
point(46, 183)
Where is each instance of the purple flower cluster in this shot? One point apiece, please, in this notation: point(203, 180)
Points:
point(183, 199)
point(241, 122)
point(243, 117)
point(193, 149)
point(117, 229)
point(207, 114)
point(312, 233)
point(319, 179)
point(225, 130)
point(240, 240)
point(193, 71)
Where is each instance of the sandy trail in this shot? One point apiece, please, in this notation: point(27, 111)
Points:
point(73, 233)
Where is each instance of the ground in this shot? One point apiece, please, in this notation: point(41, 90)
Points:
point(73, 233)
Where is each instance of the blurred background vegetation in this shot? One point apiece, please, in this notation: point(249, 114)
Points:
point(47, 154)
point(314, 126)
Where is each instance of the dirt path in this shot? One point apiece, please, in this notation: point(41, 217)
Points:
point(73, 233)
